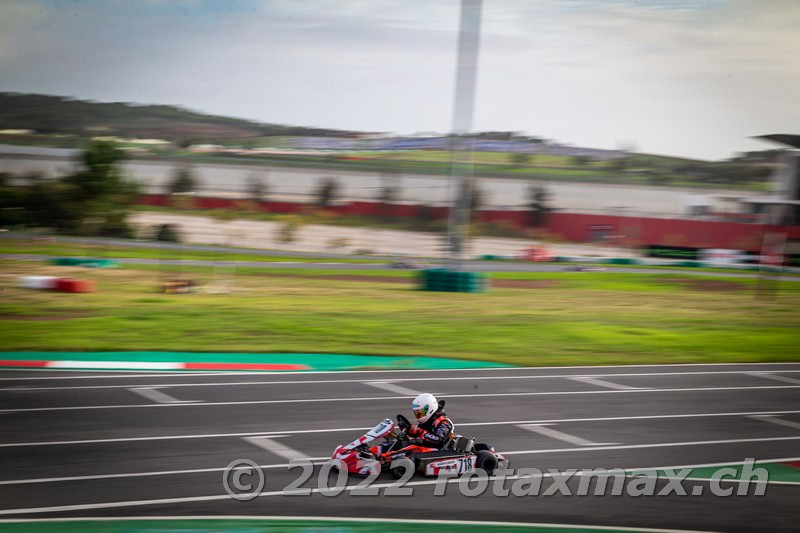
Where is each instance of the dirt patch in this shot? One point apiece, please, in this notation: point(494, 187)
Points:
point(708, 285)
point(499, 283)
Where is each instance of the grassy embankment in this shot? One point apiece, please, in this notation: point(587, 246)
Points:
point(555, 319)
point(100, 251)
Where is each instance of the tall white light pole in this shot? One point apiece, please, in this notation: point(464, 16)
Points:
point(461, 180)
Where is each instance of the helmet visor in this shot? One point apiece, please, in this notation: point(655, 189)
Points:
point(420, 412)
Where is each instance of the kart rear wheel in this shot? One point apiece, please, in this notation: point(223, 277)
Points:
point(487, 461)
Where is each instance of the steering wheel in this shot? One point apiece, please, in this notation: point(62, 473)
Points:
point(403, 423)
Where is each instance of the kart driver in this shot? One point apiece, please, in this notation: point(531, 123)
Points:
point(433, 428)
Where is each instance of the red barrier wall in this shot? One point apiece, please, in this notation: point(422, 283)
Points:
point(571, 227)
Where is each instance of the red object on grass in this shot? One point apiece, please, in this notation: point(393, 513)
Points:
point(33, 364)
point(74, 285)
point(537, 253)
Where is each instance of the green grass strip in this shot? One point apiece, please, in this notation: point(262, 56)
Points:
point(777, 472)
point(314, 361)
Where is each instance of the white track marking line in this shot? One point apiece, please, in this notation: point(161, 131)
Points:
point(191, 373)
point(652, 445)
point(324, 381)
point(391, 387)
point(316, 460)
point(218, 497)
point(321, 460)
point(778, 421)
point(362, 429)
point(602, 383)
point(769, 375)
point(386, 398)
point(343, 519)
point(116, 374)
point(102, 365)
point(271, 445)
point(157, 396)
point(542, 429)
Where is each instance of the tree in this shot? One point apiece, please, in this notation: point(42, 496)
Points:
point(287, 232)
point(519, 159)
point(580, 160)
point(257, 188)
point(100, 176)
point(327, 191)
point(98, 196)
point(183, 181)
point(167, 233)
point(426, 216)
point(618, 164)
point(477, 200)
point(538, 205)
point(388, 195)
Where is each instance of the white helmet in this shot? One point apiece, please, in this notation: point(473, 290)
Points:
point(424, 406)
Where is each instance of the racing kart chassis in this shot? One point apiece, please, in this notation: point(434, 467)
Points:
point(458, 456)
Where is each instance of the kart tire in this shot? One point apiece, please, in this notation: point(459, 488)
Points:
point(397, 472)
point(487, 461)
point(482, 446)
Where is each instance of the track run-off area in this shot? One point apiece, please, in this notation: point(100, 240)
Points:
point(156, 444)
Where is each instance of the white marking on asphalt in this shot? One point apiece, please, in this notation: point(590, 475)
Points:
point(386, 398)
point(391, 387)
point(344, 520)
point(602, 383)
point(271, 445)
point(652, 445)
point(218, 497)
point(542, 429)
point(116, 374)
point(157, 396)
point(316, 460)
point(102, 365)
point(185, 373)
point(362, 429)
point(324, 381)
point(775, 377)
point(778, 421)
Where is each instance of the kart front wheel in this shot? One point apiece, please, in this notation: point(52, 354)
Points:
point(487, 461)
point(397, 472)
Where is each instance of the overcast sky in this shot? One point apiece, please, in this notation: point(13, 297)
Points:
point(678, 77)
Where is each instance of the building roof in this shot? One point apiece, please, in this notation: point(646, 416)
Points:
point(782, 138)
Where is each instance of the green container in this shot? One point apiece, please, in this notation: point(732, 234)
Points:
point(443, 280)
point(85, 262)
point(621, 261)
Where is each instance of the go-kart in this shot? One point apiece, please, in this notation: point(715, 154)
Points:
point(459, 455)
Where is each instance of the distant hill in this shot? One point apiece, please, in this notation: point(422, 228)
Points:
point(60, 115)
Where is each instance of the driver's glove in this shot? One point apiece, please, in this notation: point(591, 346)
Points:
point(415, 431)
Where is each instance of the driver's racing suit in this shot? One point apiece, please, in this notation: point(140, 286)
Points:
point(434, 432)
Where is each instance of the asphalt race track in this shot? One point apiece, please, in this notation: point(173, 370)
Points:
point(156, 444)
